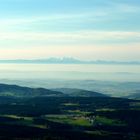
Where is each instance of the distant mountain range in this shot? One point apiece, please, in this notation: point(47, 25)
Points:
point(68, 60)
point(19, 91)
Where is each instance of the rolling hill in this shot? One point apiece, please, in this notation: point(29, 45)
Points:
point(19, 91)
point(135, 95)
point(79, 92)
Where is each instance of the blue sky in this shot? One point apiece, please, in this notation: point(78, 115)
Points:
point(85, 29)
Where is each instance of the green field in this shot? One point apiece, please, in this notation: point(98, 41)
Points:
point(68, 119)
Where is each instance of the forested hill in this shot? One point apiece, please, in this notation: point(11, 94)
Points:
point(19, 91)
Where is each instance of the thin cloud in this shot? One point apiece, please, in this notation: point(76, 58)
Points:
point(53, 17)
point(71, 36)
point(124, 7)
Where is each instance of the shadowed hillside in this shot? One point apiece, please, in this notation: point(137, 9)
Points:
point(19, 91)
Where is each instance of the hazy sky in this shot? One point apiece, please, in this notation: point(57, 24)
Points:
point(85, 29)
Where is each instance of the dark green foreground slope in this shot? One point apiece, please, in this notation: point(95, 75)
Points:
point(68, 118)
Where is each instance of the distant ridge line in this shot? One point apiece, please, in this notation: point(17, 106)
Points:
point(68, 60)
